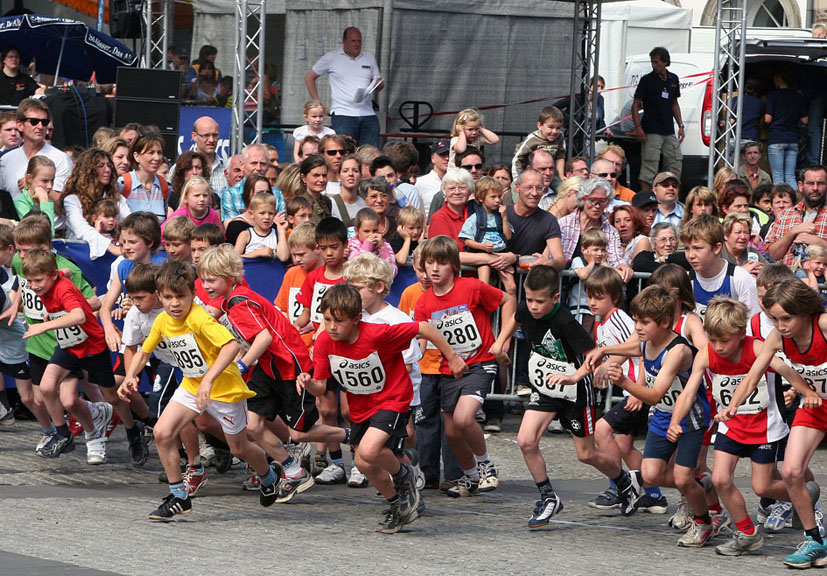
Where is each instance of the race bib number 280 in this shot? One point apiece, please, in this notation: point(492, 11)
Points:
point(461, 332)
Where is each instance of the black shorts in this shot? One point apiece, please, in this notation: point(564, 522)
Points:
point(277, 397)
point(119, 369)
point(19, 371)
point(688, 448)
point(37, 366)
point(579, 419)
point(164, 380)
point(759, 453)
point(475, 382)
point(624, 422)
point(394, 423)
point(97, 366)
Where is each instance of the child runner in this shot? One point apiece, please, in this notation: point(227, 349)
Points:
point(667, 358)
point(562, 389)
point(204, 351)
point(800, 324)
point(302, 244)
point(367, 360)
point(177, 235)
point(460, 309)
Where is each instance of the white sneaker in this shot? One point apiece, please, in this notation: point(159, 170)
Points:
point(555, 427)
point(6, 416)
point(357, 479)
point(206, 453)
point(96, 450)
point(333, 474)
point(101, 416)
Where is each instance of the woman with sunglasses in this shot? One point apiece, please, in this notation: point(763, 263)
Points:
point(143, 189)
point(333, 148)
point(593, 197)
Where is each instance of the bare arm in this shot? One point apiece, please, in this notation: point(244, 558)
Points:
point(257, 347)
point(73, 318)
point(687, 397)
point(310, 82)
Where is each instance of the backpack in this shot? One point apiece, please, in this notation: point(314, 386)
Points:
point(482, 220)
point(127, 186)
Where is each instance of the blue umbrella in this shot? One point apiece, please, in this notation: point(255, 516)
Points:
point(65, 48)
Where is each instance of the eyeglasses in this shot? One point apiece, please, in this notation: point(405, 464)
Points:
point(532, 188)
point(605, 174)
point(211, 136)
point(470, 167)
point(37, 121)
point(597, 201)
point(452, 189)
point(335, 152)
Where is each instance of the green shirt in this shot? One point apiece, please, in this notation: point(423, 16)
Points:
point(43, 345)
point(25, 204)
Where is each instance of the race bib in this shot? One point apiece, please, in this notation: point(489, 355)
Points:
point(814, 376)
point(724, 385)
point(319, 290)
point(294, 307)
point(461, 332)
point(67, 337)
point(365, 376)
point(540, 368)
point(32, 305)
point(225, 321)
point(187, 355)
point(667, 403)
point(163, 354)
point(700, 310)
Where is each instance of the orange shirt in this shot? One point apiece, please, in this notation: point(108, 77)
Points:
point(625, 194)
point(407, 303)
point(286, 299)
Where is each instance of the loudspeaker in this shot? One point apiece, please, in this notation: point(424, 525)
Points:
point(125, 18)
point(149, 84)
point(164, 115)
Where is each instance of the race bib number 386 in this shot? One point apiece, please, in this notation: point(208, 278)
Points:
point(32, 305)
point(187, 355)
point(365, 376)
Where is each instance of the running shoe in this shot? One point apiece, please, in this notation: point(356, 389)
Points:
point(489, 477)
point(781, 517)
point(740, 543)
point(609, 500)
point(393, 520)
point(194, 480)
point(809, 553)
point(139, 447)
point(96, 450)
point(206, 453)
point(252, 483)
point(480, 415)
point(171, 506)
point(413, 456)
point(682, 517)
point(763, 513)
point(101, 416)
point(543, 510)
point(333, 474)
point(819, 519)
point(292, 486)
point(697, 535)
point(408, 495)
point(721, 523)
point(58, 445)
point(493, 425)
point(555, 427)
point(523, 391)
point(653, 505)
point(113, 423)
point(267, 495)
point(464, 487)
point(320, 463)
point(6, 416)
point(44, 440)
point(300, 452)
point(357, 479)
point(630, 498)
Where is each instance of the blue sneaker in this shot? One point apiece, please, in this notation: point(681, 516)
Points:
point(809, 553)
point(781, 517)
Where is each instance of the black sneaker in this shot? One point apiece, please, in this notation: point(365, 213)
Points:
point(630, 497)
point(267, 495)
point(653, 505)
point(139, 448)
point(292, 486)
point(408, 495)
point(58, 445)
point(393, 521)
point(171, 506)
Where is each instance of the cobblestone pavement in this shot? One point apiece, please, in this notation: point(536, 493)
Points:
point(65, 517)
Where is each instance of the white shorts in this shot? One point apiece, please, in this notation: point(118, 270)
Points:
point(231, 415)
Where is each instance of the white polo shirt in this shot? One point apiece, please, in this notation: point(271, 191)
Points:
point(347, 75)
point(13, 167)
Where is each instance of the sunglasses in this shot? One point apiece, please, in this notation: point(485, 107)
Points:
point(335, 152)
point(597, 201)
point(470, 167)
point(606, 175)
point(37, 121)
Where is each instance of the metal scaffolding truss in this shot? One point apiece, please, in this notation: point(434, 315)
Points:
point(725, 129)
point(584, 61)
point(157, 21)
point(248, 70)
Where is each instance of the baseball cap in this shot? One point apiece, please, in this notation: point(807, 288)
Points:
point(664, 176)
point(643, 198)
point(441, 146)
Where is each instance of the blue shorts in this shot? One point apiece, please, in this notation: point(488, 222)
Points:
point(759, 453)
point(97, 366)
point(688, 448)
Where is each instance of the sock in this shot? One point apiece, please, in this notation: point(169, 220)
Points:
point(484, 458)
point(703, 519)
point(746, 526)
point(400, 476)
point(291, 467)
point(347, 436)
point(654, 493)
point(50, 430)
point(336, 458)
point(269, 478)
point(715, 508)
point(767, 502)
point(472, 473)
point(814, 534)
point(196, 467)
point(623, 481)
point(63, 431)
point(179, 490)
point(133, 433)
point(546, 491)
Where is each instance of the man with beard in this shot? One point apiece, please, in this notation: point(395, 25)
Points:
point(804, 224)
